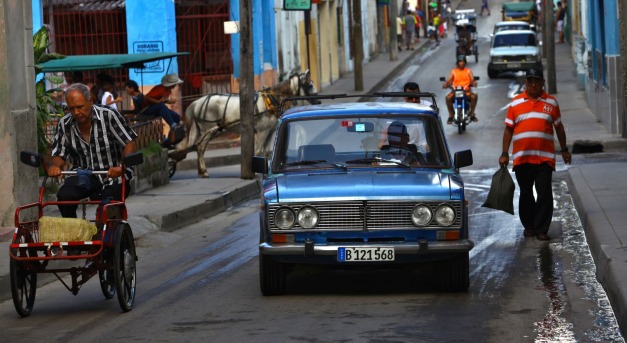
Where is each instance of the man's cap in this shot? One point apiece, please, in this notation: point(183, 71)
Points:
point(535, 73)
point(170, 80)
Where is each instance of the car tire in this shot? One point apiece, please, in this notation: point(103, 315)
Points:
point(272, 276)
point(456, 277)
point(492, 73)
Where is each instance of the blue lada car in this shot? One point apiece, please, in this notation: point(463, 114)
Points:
point(358, 184)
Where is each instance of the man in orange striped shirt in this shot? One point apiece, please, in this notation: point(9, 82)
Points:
point(529, 124)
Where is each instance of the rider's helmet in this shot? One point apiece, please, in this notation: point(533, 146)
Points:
point(461, 58)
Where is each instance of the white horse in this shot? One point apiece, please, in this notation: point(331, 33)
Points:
point(212, 113)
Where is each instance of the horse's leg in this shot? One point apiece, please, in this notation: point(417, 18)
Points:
point(201, 147)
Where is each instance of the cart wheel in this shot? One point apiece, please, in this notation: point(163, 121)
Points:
point(124, 267)
point(107, 283)
point(171, 167)
point(23, 280)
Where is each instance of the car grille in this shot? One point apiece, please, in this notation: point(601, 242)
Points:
point(366, 215)
point(516, 58)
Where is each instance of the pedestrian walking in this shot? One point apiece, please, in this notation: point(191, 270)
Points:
point(530, 122)
point(561, 15)
point(484, 6)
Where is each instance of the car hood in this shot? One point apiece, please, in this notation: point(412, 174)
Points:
point(514, 50)
point(365, 185)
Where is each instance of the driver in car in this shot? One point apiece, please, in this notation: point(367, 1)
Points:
point(399, 149)
point(461, 76)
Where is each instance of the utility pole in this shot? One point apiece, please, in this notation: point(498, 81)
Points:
point(358, 56)
point(550, 47)
point(622, 13)
point(381, 28)
point(246, 90)
point(393, 32)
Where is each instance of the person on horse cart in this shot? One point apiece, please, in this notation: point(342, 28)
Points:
point(159, 96)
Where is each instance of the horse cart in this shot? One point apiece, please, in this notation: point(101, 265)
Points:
point(102, 244)
point(466, 33)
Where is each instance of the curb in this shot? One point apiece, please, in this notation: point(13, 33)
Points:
point(607, 258)
point(173, 221)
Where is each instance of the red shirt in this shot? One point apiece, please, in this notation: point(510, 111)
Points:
point(533, 122)
point(157, 92)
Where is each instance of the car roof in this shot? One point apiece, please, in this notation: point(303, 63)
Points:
point(358, 108)
point(512, 23)
point(514, 32)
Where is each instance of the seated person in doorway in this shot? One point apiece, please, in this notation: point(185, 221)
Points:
point(159, 96)
point(78, 141)
point(399, 149)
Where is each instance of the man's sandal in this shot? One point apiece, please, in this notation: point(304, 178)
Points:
point(474, 119)
point(449, 121)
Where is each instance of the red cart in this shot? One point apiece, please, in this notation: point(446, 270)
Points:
point(110, 252)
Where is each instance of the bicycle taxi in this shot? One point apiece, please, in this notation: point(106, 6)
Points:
point(466, 33)
point(103, 244)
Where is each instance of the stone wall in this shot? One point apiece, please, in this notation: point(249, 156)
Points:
point(152, 173)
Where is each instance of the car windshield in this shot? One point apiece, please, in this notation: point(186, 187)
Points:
point(514, 40)
point(359, 142)
point(512, 27)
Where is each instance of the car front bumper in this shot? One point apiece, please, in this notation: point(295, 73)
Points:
point(512, 66)
point(423, 247)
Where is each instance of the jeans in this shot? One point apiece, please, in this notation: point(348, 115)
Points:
point(164, 112)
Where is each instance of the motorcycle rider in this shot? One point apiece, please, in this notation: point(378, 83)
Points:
point(461, 76)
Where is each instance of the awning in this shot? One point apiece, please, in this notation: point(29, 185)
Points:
point(92, 62)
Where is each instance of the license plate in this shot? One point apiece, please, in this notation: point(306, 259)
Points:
point(364, 254)
point(513, 65)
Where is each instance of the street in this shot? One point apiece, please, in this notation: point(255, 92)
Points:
point(201, 283)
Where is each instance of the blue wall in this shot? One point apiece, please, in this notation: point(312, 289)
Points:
point(603, 34)
point(264, 37)
point(151, 27)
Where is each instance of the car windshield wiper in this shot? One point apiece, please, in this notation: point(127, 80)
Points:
point(312, 162)
point(369, 160)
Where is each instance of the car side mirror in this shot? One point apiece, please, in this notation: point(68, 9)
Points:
point(463, 159)
point(260, 165)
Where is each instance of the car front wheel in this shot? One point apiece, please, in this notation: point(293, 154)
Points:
point(272, 276)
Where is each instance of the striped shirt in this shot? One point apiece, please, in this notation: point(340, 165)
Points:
point(533, 122)
point(109, 134)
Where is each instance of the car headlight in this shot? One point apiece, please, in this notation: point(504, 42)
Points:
point(421, 215)
point(284, 218)
point(444, 215)
point(307, 217)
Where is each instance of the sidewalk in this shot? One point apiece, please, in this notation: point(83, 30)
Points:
point(595, 188)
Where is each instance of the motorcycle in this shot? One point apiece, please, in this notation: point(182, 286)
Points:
point(461, 105)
